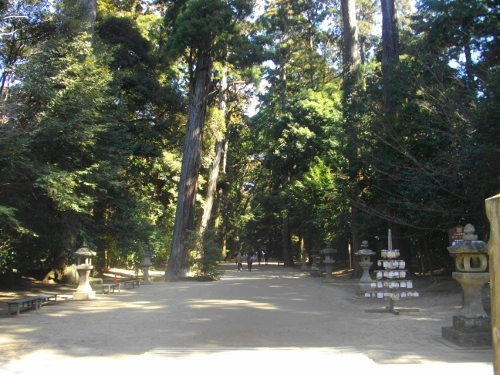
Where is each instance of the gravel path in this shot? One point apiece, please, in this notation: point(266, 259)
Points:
point(272, 317)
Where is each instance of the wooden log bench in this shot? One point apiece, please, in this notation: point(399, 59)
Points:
point(108, 288)
point(131, 284)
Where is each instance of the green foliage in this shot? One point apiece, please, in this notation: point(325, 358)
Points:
point(205, 255)
point(87, 122)
point(10, 232)
point(92, 127)
point(296, 127)
point(204, 24)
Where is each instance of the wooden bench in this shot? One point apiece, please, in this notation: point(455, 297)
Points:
point(23, 303)
point(131, 284)
point(31, 302)
point(45, 299)
point(107, 288)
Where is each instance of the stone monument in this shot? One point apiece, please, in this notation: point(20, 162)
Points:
point(328, 252)
point(472, 328)
point(365, 263)
point(84, 266)
point(314, 271)
point(303, 256)
point(146, 263)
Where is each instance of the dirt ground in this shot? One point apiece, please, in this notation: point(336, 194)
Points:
point(273, 315)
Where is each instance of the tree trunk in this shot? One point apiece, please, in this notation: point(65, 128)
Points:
point(351, 88)
point(212, 185)
point(287, 243)
point(178, 265)
point(214, 171)
point(390, 50)
point(350, 29)
point(89, 13)
point(92, 12)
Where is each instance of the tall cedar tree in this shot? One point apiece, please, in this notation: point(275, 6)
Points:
point(351, 88)
point(197, 27)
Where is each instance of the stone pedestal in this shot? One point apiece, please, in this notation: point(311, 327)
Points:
point(314, 271)
point(146, 263)
point(472, 328)
point(365, 263)
point(472, 284)
point(84, 290)
point(468, 332)
point(303, 256)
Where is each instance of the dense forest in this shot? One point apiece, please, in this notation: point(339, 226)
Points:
point(199, 128)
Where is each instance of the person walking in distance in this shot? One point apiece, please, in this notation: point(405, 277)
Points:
point(250, 260)
point(239, 259)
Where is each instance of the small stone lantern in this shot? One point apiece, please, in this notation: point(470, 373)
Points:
point(472, 327)
point(84, 266)
point(314, 270)
point(365, 263)
point(303, 259)
point(328, 252)
point(146, 263)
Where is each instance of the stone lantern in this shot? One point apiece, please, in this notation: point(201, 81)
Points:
point(146, 263)
point(472, 327)
point(303, 259)
point(314, 270)
point(84, 266)
point(328, 252)
point(365, 263)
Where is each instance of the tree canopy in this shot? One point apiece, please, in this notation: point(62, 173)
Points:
point(263, 126)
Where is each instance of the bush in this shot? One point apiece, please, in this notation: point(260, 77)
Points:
point(205, 254)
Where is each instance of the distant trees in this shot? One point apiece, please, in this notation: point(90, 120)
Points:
point(409, 121)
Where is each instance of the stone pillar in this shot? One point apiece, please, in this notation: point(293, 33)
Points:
point(84, 258)
point(493, 213)
point(472, 328)
point(328, 252)
point(303, 256)
point(365, 263)
point(314, 271)
point(146, 263)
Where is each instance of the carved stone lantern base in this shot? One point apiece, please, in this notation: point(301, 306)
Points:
point(328, 271)
point(362, 289)
point(365, 263)
point(84, 290)
point(473, 327)
point(84, 296)
point(468, 332)
point(146, 280)
point(146, 263)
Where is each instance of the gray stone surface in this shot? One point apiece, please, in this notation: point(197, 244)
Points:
point(467, 339)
